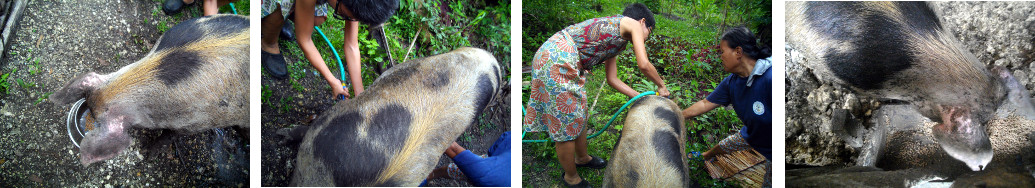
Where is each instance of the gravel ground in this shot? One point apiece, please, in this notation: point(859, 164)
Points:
point(69, 38)
point(998, 33)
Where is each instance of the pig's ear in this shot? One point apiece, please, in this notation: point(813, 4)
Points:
point(107, 140)
point(78, 88)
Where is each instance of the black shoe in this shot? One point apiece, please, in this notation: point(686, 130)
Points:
point(274, 64)
point(171, 7)
point(595, 163)
point(581, 184)
point(287, 32)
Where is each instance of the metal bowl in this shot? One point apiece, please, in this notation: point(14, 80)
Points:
point(76, 129)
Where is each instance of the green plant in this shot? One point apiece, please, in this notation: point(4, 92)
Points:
point(298, 87)
point(267, 95)
point(163, 26)
point(25, 85)
point(285, 104)
point(4, 85)
point(35, 67)
point(42, 97)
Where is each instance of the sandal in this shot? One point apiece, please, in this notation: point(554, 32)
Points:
point(274, 64)
point(594, 163)
point(171, 7)
point(581, 184)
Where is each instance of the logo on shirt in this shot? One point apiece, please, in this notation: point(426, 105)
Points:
point(758, 108)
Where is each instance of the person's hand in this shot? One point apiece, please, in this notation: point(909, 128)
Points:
point(663, 91)
point(338, 90)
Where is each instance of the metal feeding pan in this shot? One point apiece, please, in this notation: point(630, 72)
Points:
point(75, 124)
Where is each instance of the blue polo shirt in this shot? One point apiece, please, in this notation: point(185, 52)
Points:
point(493, 171)
point(751, 98)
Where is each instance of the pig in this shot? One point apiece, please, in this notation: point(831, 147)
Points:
point(900, 51)
point(394, 132)
point(650, 151)
point(194, 79)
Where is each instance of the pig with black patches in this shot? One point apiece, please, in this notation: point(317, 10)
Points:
point(394, 132)
point(650, 151)
point(194, 79)
point(899, 51)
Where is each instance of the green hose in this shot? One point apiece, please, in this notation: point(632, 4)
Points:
point(341, 67)
point(601, 131)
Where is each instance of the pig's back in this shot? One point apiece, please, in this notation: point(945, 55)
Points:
point(394, 132)
point(194, 79)
point(650, 151)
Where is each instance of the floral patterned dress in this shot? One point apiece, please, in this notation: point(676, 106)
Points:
point(558, 98)
point(286, 6)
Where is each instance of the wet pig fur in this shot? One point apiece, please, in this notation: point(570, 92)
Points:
point(194, 79)
point(900, 51)
point(650, 151)
point(393, 133)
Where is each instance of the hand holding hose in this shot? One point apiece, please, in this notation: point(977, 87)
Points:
point(338, 90)
point(662, 91)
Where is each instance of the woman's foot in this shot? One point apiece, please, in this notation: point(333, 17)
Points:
point(274, 64)
point(287, 32)
point(576, 182)
point(171, 7)
point(594, 162)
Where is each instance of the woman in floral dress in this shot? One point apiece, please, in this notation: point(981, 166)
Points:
point(558, 98)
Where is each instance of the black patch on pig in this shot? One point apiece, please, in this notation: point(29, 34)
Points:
point(668, 115)
point(882, 48)
point(485, 93)
point(668, 147)
point(177, 66)
point(438, 79)
point(633, 177)
point(356, 161)
point(194, 30)
point(397, 77)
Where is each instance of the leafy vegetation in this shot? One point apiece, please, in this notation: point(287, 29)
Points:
point(432, 27)
point(683, 48)
point(5, 86)
point(418, 29)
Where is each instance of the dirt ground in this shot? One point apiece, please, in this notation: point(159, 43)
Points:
point(997, 33)
point(287, 107)
point(69, 38)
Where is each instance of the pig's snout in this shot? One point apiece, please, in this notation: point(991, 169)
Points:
point(963, 137)
point(103, 143)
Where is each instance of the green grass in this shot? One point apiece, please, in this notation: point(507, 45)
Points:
point(484, 25)
point(5, 87)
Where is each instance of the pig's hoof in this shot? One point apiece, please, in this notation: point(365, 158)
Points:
point(274, 64)
point(594, 163)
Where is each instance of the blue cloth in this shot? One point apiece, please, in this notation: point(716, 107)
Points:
point(752, 103)
point(493, 171)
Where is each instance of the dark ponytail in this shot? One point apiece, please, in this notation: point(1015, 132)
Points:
point(741, 37)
